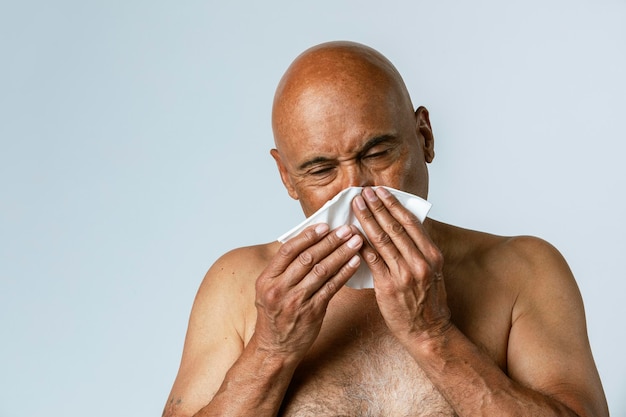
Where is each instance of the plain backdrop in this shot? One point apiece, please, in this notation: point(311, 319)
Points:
point(135, 141)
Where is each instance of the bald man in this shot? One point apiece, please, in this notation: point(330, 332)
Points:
point(458, 323)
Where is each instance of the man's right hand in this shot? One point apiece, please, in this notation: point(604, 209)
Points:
point(219, 375)
point(293, 292)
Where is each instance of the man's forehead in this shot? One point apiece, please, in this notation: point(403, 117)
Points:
point(339, 128)
point(315, 83)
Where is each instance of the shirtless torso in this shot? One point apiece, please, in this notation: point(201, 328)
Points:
point(357, 368)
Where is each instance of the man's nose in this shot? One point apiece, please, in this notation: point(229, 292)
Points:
point(358, 176)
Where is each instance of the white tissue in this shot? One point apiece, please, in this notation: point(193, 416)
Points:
point(338, 211)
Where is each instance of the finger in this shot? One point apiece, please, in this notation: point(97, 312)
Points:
point(374, 261)
point(413, 228)
point(309, 260)
point(334, 284)
point(407, 220)
point(384, 231)
point(330, 273)
point(399, 238)
point(289, 250)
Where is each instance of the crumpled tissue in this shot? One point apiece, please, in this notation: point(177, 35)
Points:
point(338, 211)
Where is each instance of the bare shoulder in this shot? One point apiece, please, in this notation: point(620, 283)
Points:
point(239, 267)
point(526, 257)
point(228, 288)
point(516, 259)
point(537, 271)
point(544, 280)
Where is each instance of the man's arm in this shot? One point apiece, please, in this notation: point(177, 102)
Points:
point(550, 366)
point(215, 335)
point(550, 369)
point(219, 376)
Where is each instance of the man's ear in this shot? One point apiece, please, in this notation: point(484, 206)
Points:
point(284, 174)
point(425, 131)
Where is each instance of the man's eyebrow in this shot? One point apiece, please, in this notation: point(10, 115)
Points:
point(376, 141)
point(313, 161)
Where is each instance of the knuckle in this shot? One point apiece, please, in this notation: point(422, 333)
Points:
point(378, 208)
point(262, 282)
point(320, 270)
point(310, 236)
point(305, 259)
point(422, 269)
point(372, 258)
point(437, 259)
point(329, 289)
point(293, 302)
point(381, 238)
point(406, 279)
point(367, 216)
point(286, 249)
point(272, 295)
point(396, 229)
point(407, 217)
point(393, 204)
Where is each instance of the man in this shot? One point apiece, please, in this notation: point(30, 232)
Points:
point(458, 323)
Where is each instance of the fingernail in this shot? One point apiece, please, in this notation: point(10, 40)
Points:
point(383, 192)
point(321, 228)
point(354, 242)
point(360, 203)
point(370, 195)
point(343, 231)
point(355, 261)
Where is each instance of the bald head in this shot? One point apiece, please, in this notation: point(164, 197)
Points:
point(330, 73)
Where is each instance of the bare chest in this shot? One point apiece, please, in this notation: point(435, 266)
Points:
point(358, 369)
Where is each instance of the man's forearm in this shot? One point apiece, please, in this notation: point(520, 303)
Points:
point(474, 385)
point(254, 386)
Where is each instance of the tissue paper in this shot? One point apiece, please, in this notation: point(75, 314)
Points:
point(338, 211)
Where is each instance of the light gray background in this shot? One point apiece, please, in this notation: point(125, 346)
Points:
point(135, 139)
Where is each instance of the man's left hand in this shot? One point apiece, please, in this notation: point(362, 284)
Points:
point(406, 265)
